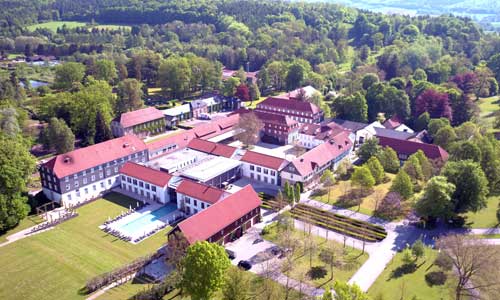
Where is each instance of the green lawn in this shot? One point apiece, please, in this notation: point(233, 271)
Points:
point(487, 107)
point(393, 286)
point(25, 223)
point(55, 24)
point(57, 263)
point(368, 203)
point(485, 218)
point(353, 259)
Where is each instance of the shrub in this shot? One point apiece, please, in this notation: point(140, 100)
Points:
point(444, 262)
point(435, 278)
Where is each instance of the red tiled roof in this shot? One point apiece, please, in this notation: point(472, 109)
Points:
point(293, 105)
point(210, 221)
point(322, 131)
point(85, 158)
point(264, 160)
point(146, 174)
point(140, 116)
point(212, 148)
point(410, 147)
point(322, 154)
point(200, 191)
point(392, 123)
point(272, 118)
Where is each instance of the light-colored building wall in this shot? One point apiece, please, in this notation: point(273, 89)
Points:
point(190, 205)
point(260, 173)
point(145, 189)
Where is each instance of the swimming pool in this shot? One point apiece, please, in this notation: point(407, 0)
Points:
point(142, 224)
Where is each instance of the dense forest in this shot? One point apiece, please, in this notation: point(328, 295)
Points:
point(368, 66)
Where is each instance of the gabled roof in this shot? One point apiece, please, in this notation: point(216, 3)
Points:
point(351, 125)
point(140, 116)
point(322, 154)
point(393, 122)
point(200, 191)
point(391, 133)
point(212, 148)
point(277, 119)
point(410, 147)
point(92, 156)
point(210, 221)
point(322, 131)
point(264, 160)
point(146, 174)
point(177, 110)
point(290, 104)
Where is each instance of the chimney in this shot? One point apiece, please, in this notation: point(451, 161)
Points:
point(125, 145)
point(67, 159)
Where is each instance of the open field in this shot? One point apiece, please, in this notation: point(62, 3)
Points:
point(392, 285)
point(320, 275)
point(487, 107)
point(368, 203)
point(485, 218)
point(253, 104)
point(55, 24)
point(57, 263)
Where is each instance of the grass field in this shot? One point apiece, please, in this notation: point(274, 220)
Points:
point(487, 107)
point(393, 286)
point(368, 203)
point(485, 218)
point(55, 24)
point(25, 223)
point(301, 266)
point(57, 263)
point(72, 24)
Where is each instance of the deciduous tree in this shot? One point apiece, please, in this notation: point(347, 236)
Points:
point(402, 185)
point(249, 126)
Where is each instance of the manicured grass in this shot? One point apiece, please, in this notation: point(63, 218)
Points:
point(257, 285)
point(301, 266)
point(485, 218)
point(57, 263)
point(25, 223)
point(404, 286)
point(368, 203)
point(56, 24)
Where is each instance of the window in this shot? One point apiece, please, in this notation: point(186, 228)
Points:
point(75, 176)
point(102, 184)
point(272, 180)
point(203, 205)
point(77, 193)
point(84, 180)
point(141, 184)
point(266, 171)
point(86, 190)
point(109, 181)
point(273, 173)
point(153, 188)
point(68, 187)
point(123, 177)
point(129, 180)
point(195, 203)
point(69, 197)
point(92, 177)
point(252, 168)
point(101, 175)
point(94, 188)
point(108, 172)
point(187, 200)
point(258, 169)
point(147, 186)
point(116, 169)
point(134, 181)
point(77, 184)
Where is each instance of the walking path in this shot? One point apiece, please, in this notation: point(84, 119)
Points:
point(23, 234)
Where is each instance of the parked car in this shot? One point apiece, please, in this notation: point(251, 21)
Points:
point(230, 254)
point(245, 265)
point(259, 240)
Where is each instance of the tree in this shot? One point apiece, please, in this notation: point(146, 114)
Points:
point(297, 192)
point(174, 76)
point(494, 65)
point(471, 185)
point(236, 285)
point(67, 74)
point(102, 130)
point(129, 92)
point(327, 295)
point(344, 291)
point(352, 108)
point(368, 80)
point(362, 178)
point(328, 180)
point(376, 169)
point(445, 136)
point(242, 92)
point(229, 86)
point(402, 185)
point(249, 126)
point(9, 123)
point(464, 150)
point(295, 76)
point(389, 159)
point(390, 206)
point(329, 256)
point(425, 164)
point(204, 268)
point(60, 136)
point(368, 149)
point(418, 249)
point(422, 121)
point(436, 124)
point(475, 263)
point(413, 168)
point(105, 70)
point(254, 92)
point(437, 104)
point(16, 165)
point(436, 199)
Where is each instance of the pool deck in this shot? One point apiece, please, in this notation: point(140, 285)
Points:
point(151, 226)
